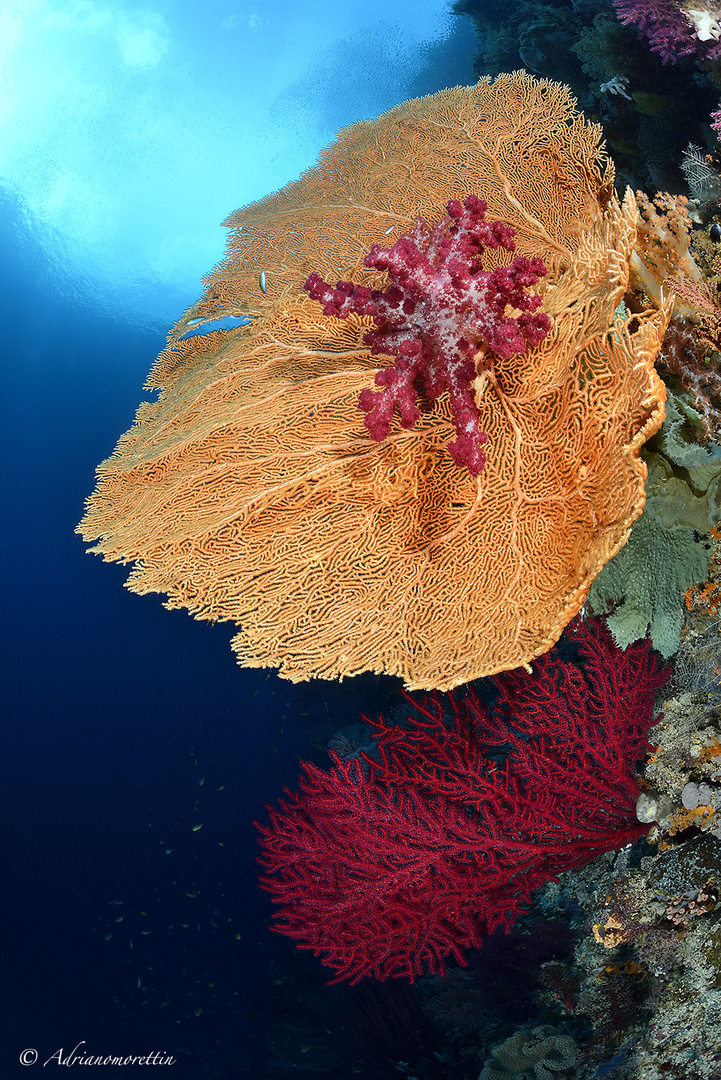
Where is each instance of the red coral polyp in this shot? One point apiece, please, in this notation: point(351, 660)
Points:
point(441, 316)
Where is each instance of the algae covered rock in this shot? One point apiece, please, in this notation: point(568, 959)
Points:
point(685, 870)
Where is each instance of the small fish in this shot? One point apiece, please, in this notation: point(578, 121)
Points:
point(201, 781)
point(221, 787)
point(261, 282)
point(238, 937)
point(388, 231)
point(199, 1011)
point(120, 918)
point(168, 850)
point(146, 932)
point(116, 901)
point(193, 322)
point(139, 983)
point(196, 828)
point(108, 937)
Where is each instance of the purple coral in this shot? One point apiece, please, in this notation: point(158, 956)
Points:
point(439, 311)
point(669, 31)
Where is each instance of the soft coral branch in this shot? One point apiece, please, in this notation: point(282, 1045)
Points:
point(439, 311)
point(670, 29)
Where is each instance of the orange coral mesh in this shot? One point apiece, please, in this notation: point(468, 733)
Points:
point(251, 492)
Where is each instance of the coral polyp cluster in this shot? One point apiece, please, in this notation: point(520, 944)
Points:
point(443, 316)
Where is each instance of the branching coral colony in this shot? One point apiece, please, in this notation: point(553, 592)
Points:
point(391, 865)
point(443, 317)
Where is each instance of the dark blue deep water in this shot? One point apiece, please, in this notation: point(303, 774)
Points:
point(124, 726)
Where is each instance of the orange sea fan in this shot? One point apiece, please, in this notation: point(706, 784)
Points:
point(251, 492)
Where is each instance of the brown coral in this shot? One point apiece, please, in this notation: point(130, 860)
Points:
point(662, 246)
point(611, 933)
point(250, 490)
point(686, 357)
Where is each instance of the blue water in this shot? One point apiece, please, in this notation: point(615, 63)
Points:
point(127, 136)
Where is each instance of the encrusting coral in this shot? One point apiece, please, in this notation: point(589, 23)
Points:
point(251, 491)
point(669, 554)
point(664, 557)
point(541, 1053)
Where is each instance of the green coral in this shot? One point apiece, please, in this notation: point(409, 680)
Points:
point(667, 551)
point(677, 438)
point(662, 559)
point(604, 49)
point(700, 465)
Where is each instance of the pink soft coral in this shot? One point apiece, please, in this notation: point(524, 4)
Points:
point(672, 29)
point(439, 311)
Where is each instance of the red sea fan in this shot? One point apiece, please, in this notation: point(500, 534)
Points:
point(388, 868)
point(567, 728)
point(385, 882)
